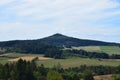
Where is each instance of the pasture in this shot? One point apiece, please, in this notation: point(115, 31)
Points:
point(76, 62)
point(65, 63)
point(107, 49)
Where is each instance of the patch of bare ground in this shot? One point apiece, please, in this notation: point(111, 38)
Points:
point(23, 58)
point(103, 77)
point(44, 58)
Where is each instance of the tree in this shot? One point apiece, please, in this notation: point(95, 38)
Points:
point(12, 75)
point(57, 67)
point(1, 68)
point(116, 77)
point(88, 76)
point(71, 76)
point(118, 69)
point(6, 72)
point(42, 70)
point(54, 75)
point(54, 53)
point(24, 70)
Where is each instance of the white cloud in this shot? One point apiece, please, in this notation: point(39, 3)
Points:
point(69, 17)
point(4, 2)
point(61, 7)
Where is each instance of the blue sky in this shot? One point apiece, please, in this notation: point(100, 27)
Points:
point(86, 19)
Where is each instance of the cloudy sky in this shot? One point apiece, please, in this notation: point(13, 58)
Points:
point(86, 19)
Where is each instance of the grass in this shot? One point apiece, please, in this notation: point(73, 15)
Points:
point(65, 63)
point(107, 49)
point(76, 62)
point(110, 49)
point(89, 48)
point(16, 55)
point(35, 55)
point(3, 61)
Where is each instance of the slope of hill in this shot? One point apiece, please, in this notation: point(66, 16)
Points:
point(62, 40)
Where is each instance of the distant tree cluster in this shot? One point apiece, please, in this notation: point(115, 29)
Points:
point(97, 70)
point(29, 48)
point(83, 53)
point(115, 56)
point(54, 53)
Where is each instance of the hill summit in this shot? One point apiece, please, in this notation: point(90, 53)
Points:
point(59, 35)
point(63, 40)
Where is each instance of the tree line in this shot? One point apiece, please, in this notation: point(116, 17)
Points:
point(23, 70)
point(57, 53)
point(86, 54)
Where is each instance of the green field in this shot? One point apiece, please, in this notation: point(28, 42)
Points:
point(76, 62)
point(65, 63)
point(110, 49)
point(107, 49)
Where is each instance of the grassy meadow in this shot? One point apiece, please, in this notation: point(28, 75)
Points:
point(76, 62)
point(107, 49)
point(65, 63)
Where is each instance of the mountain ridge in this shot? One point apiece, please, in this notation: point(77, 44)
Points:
point(61, 40)
point(71, 41)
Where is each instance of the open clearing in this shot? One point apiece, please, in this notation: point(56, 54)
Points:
point(44, 58)
point(88, 48)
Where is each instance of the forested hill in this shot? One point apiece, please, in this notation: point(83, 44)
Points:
point(58, 40)
point(62, 40)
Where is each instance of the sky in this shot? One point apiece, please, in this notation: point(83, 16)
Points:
point(84, 19)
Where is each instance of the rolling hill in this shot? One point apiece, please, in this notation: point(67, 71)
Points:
point(62, 40)
point(58, 40)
